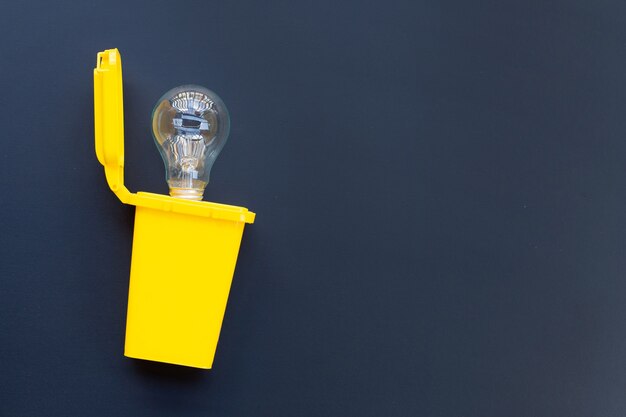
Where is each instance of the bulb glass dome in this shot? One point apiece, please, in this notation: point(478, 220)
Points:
point(190, 125)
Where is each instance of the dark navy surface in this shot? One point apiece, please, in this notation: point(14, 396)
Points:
point(440, 189)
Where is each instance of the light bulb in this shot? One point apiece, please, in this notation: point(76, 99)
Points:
point(190, 125)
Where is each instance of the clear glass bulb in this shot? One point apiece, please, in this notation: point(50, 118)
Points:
point(190, 125)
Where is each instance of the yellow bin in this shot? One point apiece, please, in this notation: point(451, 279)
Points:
point(176, 301)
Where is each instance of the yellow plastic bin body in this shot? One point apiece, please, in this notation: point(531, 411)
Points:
point(184, 252)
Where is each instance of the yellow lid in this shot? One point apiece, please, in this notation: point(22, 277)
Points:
point(109, 133)
point(109, 116)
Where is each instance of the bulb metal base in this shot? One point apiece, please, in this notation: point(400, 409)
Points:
point(187, 193)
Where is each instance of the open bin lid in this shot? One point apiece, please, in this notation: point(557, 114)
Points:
point(109, 137)
point(109, 116)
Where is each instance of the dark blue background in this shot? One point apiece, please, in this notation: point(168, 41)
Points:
point(441, 199)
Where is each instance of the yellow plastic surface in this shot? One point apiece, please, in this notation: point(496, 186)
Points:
point(184, 252)
point(109, 119)
point(180, 278)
